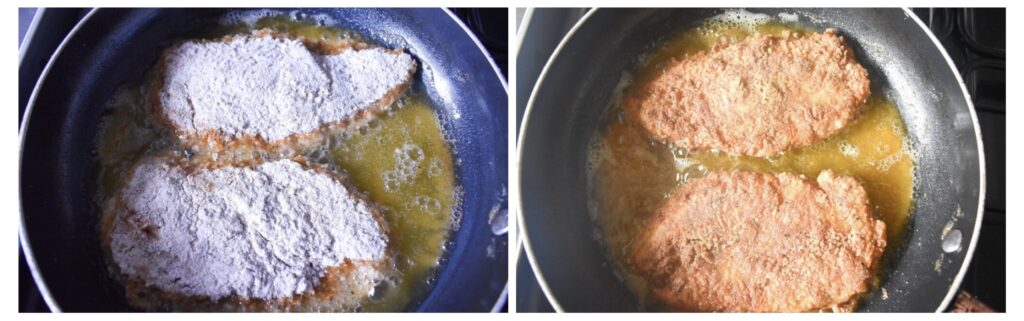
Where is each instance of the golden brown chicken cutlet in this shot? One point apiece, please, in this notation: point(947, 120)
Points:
point(742, 241)
point(756, 97)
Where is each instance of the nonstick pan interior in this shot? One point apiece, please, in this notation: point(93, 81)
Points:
point(113, 47)
point(903, 61)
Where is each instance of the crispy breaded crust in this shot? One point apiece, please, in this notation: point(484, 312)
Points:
point(741, 241)
point(757, 97)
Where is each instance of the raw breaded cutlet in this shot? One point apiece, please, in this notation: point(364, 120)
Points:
point(185, 235)
point(756, 97)
point(265, 91)
point(742, 241)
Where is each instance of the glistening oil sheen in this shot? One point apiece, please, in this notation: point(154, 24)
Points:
point(400, 160)
point(630, 174)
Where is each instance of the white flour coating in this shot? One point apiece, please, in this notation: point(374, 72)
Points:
point(271, 87)
point(264, 232)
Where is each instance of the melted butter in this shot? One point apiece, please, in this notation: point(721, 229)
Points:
point(872, 149)
point(401, 160)
point(631, 175)
point(286, 25)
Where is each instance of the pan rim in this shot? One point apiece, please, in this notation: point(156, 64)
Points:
point(527, 245)
point(982, 180)
point(479, 45)
point(503, 297)
point(30, 34)
point(26, 247)
point(30, 258)
point(950, 293)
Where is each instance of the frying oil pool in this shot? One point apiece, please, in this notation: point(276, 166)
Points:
point(630, 175)
point(403, 163)
point(400, 160)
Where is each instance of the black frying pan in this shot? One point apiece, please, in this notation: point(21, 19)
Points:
point(901, 55)
point(112, 47)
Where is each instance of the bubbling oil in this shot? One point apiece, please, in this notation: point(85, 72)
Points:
point(400, 160)
point(403, 163)
point(630, 175)
point(294, 25)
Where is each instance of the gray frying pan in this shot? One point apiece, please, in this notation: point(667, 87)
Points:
point(901, 55)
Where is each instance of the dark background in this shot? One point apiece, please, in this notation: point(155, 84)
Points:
point(489, 25)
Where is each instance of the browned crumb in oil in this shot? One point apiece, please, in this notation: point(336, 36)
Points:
point(631, 174)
